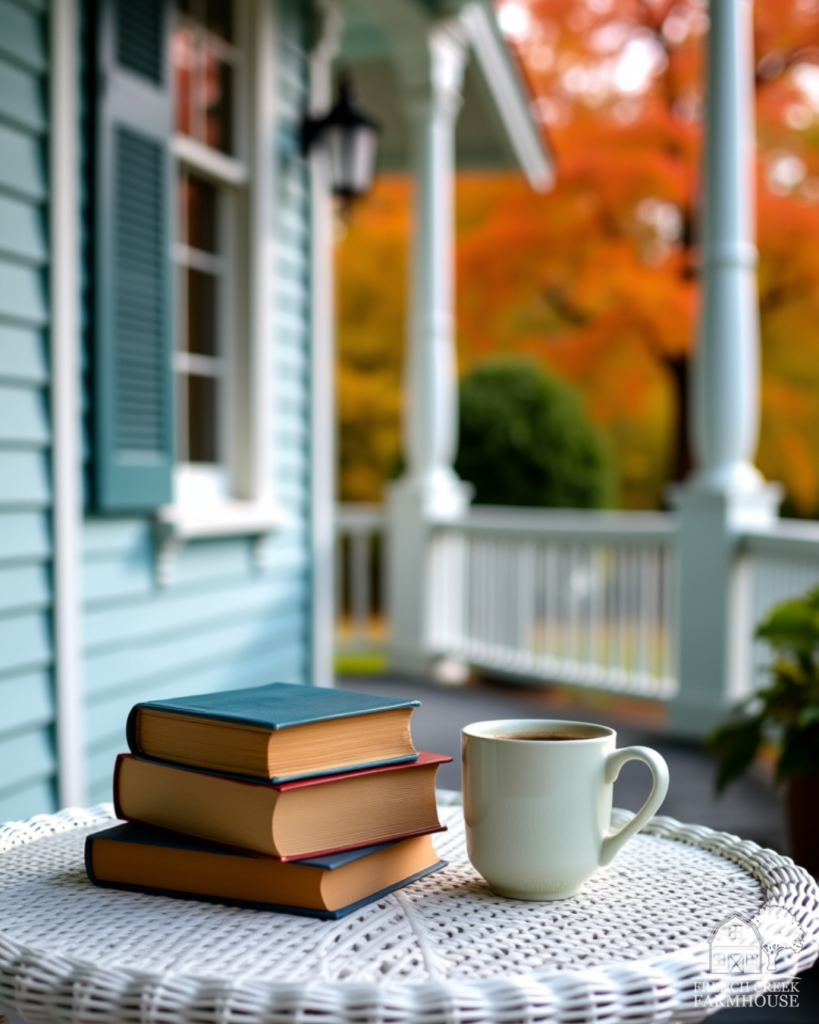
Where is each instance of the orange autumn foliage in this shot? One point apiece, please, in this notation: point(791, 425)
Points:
point(597, 279)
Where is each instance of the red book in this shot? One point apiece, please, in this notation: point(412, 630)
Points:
point(289, 820)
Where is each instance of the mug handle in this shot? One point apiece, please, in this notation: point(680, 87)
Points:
point(613, 842)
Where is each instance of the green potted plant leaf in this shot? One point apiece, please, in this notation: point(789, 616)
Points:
point(784, 715)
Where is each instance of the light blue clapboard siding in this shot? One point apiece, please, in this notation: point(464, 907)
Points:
point(22, 355)
point(23, 417)
point(23, 39)
point(30, 799)
point(223, 621)
point(23, 235)
point(19, 98)
point(112, 624)
point(22, 169)
point(24, 587)
point(24, 478)
point(24, 537)
point(27, 766)
point(27, 701)
point(25, 642)
point(169, 655)
point(22, 293)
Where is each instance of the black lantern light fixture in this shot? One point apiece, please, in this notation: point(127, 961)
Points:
point(350, 137)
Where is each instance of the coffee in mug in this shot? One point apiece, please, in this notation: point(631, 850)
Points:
point(539, 736)
point(538, 799)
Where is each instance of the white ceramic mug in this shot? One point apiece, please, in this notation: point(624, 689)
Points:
point(538, 811)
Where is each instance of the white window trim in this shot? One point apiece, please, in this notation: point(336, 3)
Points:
point(253, 509)
point(65, 404)
point(209, 163)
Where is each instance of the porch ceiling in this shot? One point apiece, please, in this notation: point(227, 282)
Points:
point(494, 130)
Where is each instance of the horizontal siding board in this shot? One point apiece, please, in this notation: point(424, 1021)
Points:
point(22, 355)
point(25, 642)
point(22, 228)
point(291, 387)
point(33, 5)
point(22, 293)
point(109, 580)
point(24, 588)
point(115, 538)
point(33, 798)
point(23, 416)
point(284, 557)
point(100, 791)
point(22, 36)
point(191, 610)
point(147, 663)
point(293, 492)
point(208, 560)
point(292, 357)
point(27, 701)
point(24, 536)
point(25, 759)
point(24, 478)
point(22, 171)
point(21, 98)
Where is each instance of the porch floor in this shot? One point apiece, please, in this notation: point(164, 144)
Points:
point(750, 808)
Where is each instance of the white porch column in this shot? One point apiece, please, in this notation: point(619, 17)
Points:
point(726, 492)
point(433, 100)
point(431, 69)
point(726, 366)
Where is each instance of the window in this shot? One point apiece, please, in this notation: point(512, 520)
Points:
point(205, 68)
point(211, 181)
point(181, 399)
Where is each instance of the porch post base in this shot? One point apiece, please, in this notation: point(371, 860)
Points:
point(714, 602)
point(414, 505)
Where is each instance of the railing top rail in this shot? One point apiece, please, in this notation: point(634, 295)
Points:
point(783, 538)
point(581, 524)
point(360, 516)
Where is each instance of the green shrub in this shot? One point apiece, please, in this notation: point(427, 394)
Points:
point(525, 440)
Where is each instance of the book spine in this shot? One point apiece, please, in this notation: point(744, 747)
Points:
point(131, 730)
point(294, 858)
point(117, 770)
point(279, 908)
point(89, 860)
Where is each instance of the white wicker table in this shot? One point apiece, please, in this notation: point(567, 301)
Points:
point(632, 946)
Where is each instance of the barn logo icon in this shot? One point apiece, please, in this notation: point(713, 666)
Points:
point(740, 945)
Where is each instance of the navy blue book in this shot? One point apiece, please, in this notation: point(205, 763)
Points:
point(140, 859)
point(278, 732)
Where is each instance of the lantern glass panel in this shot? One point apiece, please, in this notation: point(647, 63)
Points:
point(352, 152)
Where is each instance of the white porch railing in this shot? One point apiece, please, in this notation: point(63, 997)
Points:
point(583, 598)
point(360, 578)
point(580, 598)
point(780, 564)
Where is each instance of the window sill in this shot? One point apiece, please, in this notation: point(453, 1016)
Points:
point(178, 524)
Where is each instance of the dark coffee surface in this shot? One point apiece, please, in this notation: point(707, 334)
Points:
point(550, 736)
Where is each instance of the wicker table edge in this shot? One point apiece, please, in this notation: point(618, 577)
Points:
point(60, 989)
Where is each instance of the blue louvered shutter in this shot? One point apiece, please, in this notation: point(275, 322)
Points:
point(132, 210)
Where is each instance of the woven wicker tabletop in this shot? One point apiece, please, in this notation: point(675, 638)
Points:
point(631, 946)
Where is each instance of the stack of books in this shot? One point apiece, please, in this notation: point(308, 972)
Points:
point(282, 797)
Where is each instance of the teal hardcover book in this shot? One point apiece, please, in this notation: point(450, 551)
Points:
point(277, 732)
point(139, 859)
